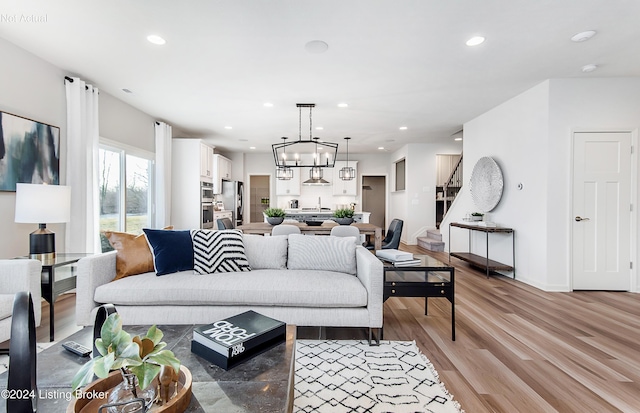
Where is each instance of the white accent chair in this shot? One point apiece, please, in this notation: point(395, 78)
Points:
point(18, 275)
point(285, 229)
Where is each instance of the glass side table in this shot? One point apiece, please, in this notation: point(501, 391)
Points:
point(52, 285)
point(429, 278)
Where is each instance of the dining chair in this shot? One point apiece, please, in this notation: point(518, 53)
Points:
point(224, 223)
point(347, 231)
point(392, 236)
point(285, 229)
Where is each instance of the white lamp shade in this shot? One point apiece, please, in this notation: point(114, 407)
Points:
point(43, 204)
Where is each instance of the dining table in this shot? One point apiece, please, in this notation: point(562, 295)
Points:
point(324, 229)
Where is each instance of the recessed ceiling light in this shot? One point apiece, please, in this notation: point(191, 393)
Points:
point(228, 127)
point(457, 139)
point(589, 68)
point(316, 46)
point(343, 105)
point(402, 128)
point(583, 36)
point(252, 147)
point(155, 39)
point(381, 147)
point(319, 128)
point(268, 105)
point(474, 41)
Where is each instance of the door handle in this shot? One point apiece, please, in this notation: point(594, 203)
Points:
point(578, 219)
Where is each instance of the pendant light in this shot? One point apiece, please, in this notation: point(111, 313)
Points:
point(347, 173)
point(284, 173)
point(305, 151)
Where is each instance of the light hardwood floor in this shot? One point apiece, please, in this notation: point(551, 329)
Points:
point(517, 349)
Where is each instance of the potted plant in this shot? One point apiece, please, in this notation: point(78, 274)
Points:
point(477, 216)
point(275, 216)
point(343, 216)
point(139, 360)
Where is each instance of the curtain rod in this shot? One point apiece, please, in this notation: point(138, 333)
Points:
point(68, 78)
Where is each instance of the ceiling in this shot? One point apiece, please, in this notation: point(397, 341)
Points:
point(394, 62)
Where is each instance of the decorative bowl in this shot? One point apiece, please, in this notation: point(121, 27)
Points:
point(275, 220)
point(313, 223)
point(343, 221)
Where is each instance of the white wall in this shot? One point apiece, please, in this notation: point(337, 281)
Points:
point(416, 205)
point(530, 138)
point(33, 88)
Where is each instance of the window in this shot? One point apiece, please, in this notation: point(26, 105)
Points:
point(126, 182)
point(400, 175)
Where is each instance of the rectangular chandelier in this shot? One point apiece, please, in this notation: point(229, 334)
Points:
point(305, 153)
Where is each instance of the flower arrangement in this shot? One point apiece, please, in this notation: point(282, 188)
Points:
point(141, 356)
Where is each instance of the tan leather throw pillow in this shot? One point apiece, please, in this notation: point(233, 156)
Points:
point(133, 255)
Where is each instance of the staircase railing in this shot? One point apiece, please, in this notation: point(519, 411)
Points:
point(455, 180)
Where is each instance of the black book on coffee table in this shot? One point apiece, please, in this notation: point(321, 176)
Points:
point(233, 340)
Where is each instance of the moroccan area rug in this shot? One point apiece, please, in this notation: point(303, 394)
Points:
point(338, 376)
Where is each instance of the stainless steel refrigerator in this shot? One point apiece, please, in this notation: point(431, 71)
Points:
point(233, 198)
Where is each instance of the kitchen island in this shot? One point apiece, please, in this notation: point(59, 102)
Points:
point(313, 214)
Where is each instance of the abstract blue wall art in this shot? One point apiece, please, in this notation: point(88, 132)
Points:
point(29, 152)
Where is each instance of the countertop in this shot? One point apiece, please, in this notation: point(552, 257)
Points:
point(300, 211)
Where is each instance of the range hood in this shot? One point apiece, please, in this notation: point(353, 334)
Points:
point(316, 182)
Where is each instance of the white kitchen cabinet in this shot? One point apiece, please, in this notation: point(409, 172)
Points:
point(222, 170)
point(206, 162)
point(186, 179)
point(290, 186)
point(341, 187)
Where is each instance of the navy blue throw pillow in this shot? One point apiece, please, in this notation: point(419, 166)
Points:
point(172, 250)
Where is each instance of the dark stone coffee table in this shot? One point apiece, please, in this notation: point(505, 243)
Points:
point(261, 384)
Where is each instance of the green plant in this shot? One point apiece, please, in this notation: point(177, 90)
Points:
point(274, 212)
point(141, 356)
point(343, 213)
point(477, 214)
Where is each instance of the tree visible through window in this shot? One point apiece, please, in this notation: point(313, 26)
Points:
point(125, 190)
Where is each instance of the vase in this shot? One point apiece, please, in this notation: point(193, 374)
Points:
point(275, 220)
point(343, 221)
point(125, 397)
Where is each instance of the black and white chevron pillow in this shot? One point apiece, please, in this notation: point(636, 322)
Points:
point(218, 251)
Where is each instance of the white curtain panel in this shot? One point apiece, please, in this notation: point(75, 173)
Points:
point(163, 175)
point(82, 232)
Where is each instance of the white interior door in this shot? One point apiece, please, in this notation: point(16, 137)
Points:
point(601, 211)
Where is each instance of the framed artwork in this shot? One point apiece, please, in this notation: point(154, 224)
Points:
point(29, 152)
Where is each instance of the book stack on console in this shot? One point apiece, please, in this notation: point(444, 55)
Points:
point(397, 258)
point(233, 340)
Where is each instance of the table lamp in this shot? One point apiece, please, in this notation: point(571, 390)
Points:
point(42, 204)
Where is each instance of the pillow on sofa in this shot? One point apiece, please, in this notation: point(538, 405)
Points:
point(322, 253)
point(218, 251)
point(266, 252)
point(172, 250)
point(133, 255)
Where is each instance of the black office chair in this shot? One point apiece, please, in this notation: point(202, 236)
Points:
point(224, 223)
point(392, 237)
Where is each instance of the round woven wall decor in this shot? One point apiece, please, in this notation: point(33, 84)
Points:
point(486, 184)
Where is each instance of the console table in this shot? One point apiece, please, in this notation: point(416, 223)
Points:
point(478, 260)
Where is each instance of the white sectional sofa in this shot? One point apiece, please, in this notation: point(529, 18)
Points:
point(299, 279)
point(16, 276)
